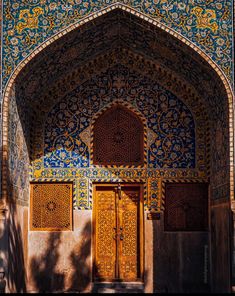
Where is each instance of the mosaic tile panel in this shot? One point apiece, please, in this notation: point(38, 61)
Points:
point(63, 145)
point(68, 129)
point(82, 195)
point(144, 67)
point(28, 23)
point(174, 127)
point(154, 194)
point(114, 173)
point(18, 161)
point(76, 168)
point(168, 118)
point(68, 69)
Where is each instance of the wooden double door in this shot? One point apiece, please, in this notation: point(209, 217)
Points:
point(118, 232)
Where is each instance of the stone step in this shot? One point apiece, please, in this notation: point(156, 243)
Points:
point(118, 287)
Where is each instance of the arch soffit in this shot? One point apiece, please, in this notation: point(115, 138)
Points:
point(101, 65)
point(141, 65)
point(201, 129)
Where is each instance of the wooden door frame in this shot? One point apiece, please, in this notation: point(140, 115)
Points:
point(140, 185)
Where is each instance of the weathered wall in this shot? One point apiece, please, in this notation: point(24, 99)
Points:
point(221, 243)
point(181, 260)
point(16, 196)
point(3, 246)
point(17, 247)
point(220, 212)
point(61, 261)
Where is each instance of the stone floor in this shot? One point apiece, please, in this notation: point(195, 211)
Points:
point(118, 287)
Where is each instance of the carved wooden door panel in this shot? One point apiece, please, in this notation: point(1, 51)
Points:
point(105, 223)
point(117, 233)
point(129, 244)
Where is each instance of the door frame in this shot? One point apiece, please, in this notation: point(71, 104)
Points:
point(140, 185)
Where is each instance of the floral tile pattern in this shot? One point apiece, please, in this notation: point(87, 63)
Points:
point(28, 23)
point(171, 122)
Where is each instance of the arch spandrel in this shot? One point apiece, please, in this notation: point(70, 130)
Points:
point(202, 23)
point(155, 39)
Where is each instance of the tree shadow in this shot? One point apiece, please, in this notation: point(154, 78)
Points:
point(12, 245)
point(16, 272)
point(81, 277)
point(43, 268)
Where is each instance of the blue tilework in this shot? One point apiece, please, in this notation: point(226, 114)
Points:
point(26, 24)
point(167, 116)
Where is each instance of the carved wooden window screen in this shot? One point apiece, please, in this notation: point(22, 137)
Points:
point(51, 206)
point(186, 207)
point(118, 138)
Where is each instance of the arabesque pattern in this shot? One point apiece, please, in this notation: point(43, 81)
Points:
point(169, 119)
point(28, 23)
point(170, 132)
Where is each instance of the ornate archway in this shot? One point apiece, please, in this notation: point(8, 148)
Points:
point(71, 65)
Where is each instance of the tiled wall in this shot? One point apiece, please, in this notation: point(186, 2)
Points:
point(176, 140)
point(208, 24)
point(36, 90)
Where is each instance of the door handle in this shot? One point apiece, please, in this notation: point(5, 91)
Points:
point(121, 234)
point(115, 234)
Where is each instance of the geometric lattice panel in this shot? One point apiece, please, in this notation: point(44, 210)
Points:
point(118, 138)
point(51, 206)
point(186, 207)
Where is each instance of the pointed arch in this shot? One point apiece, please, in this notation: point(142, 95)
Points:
point(123, 7)
point(224, 187)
